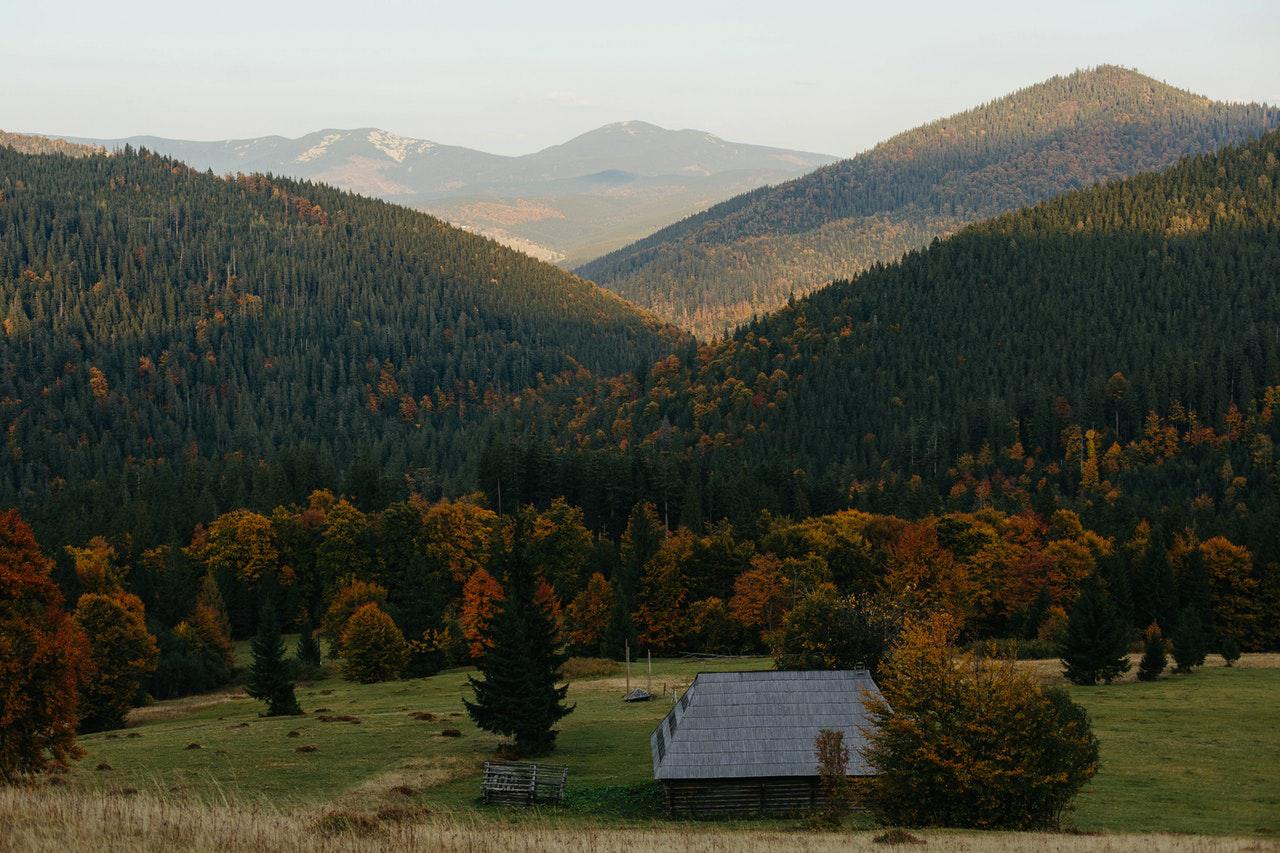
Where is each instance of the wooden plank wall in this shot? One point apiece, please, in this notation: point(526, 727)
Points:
point(719, 798)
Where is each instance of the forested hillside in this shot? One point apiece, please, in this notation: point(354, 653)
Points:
point(1115, 349)
point(749, 254)
point(32, 144)
point(177, 343)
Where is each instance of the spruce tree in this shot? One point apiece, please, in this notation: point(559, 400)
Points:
point(1188, 640)
point(518, 694)
point(1230, 650)
point(1097, 641)
point(1154, 660)
point(269, 678)
point(308, 647)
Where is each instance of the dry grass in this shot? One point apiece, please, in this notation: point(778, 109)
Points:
point(1051, 670)
point(173, 709)
point(41, 819)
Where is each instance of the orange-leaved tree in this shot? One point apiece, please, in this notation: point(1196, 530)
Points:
point(350, 598)
point(761, 595)
point(965, 741)
point(121, 652)
point(43, 658)
point(480, 596)
point(588, 614)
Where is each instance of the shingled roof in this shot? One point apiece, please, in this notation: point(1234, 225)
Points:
point(753, 724)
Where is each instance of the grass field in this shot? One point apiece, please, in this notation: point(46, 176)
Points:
point(1193, 754)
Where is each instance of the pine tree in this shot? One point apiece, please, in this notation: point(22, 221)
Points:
point(1188, 640)
point(1097, 642)
point(269, 679)
point(1154, 660)
point(517, 694)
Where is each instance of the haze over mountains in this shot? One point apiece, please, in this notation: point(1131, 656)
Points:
point(569, 202)
point(747, 255)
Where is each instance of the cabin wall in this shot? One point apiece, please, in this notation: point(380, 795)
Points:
point(743, 797)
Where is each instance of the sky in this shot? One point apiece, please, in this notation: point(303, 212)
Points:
point(832, 77)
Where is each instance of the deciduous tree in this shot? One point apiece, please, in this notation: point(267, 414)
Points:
point(43, 659)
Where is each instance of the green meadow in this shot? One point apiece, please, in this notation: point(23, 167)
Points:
point(1187, 754)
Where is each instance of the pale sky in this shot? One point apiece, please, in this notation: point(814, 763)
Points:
point(834, 77)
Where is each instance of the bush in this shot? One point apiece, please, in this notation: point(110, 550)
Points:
point(373, 649)
point(969, 742)
point(833, 775)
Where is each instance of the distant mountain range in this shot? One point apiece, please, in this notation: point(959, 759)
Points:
point(749, 254)
point(567, 203)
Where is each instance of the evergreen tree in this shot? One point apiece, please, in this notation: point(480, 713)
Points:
point(1188, 640)
point(1230, 651)
point(517, 694)
point(1097, 642)
point(1154, 660)
point(269, 679)
point(308, 647)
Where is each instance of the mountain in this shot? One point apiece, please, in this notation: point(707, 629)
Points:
point(29, 143)
point(176, 342)
point(751, 253)
point(1116, 345)
point(568, 202)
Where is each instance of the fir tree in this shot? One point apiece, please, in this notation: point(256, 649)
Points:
point(1154, 660)
point(1230, 651)
point(1188, 640)
point(1097, 642)
point(517, 694)
point(308, 647)
point(269, 679)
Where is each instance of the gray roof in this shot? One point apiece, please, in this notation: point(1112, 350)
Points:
point(740, 724)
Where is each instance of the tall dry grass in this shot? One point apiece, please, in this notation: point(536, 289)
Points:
point(43, 818)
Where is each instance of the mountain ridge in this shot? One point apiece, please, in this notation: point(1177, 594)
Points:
point(750, 253)
point(661, 174)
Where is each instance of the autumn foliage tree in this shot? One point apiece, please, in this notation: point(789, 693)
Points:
point(122, 653)
point(480, 597)
point(761, 595)
point(373, 649)
point(43, 659)
point(971, 742)
point(587, 616)
point(352, 596)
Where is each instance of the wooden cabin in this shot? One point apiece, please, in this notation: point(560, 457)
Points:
point(740, 744)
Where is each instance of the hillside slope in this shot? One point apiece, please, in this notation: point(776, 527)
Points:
point(173, 331)
point(573, 201)
point(1144, 310)
point(750, 253)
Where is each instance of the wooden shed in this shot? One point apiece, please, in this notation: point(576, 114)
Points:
point(739, 744)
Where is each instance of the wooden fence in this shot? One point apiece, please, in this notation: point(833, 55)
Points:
point(522, 784)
